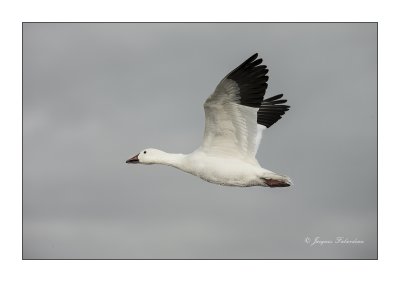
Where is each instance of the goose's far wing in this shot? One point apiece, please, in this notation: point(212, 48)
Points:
point(231, 111)
point(233, 121)
point(271, 110)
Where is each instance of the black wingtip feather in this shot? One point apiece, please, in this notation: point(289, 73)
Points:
point(271, 110)
point(276, 97)
point(251, 78)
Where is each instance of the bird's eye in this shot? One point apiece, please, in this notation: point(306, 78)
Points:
point(144, 152)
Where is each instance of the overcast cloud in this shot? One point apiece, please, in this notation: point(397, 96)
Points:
point(96, 94)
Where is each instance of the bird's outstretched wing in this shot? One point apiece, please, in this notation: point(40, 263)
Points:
point(236, 114)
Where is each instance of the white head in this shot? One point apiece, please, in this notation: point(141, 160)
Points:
point(147, 156)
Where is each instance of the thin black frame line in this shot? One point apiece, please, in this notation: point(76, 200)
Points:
point(210, 22)
point(377, 148)
point(22, 141)
point(325, 259)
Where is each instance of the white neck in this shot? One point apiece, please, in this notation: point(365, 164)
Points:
point(174, 160)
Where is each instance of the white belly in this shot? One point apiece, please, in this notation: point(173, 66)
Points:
point(224, 171)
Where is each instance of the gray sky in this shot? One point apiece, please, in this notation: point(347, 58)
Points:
point(95, 94)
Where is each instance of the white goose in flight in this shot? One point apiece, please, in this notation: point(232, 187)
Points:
point(235, 117)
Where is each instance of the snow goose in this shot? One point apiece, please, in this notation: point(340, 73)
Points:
point(235, 116)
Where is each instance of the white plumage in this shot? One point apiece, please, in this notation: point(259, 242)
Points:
point(235, 117)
